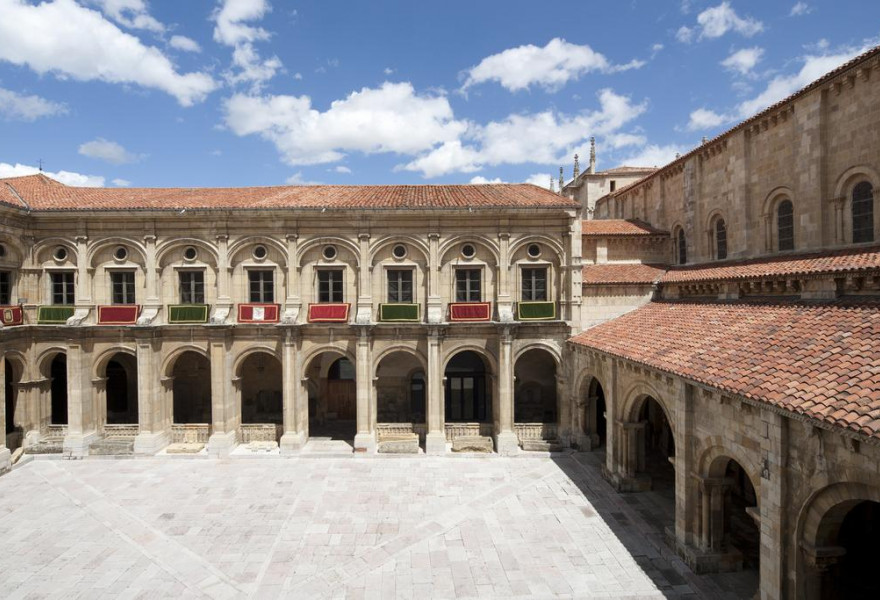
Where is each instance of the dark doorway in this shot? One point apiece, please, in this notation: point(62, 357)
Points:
point(192, 389)
point(58, 375)
point(122, 390)
point(467, 400)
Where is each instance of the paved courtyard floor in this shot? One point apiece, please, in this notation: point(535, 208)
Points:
point(354, 527)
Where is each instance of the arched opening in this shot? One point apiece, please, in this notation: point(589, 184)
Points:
point(848, 539)
point(863, 213)
point(400, 389)
point(534, 396)
point(58, 390)
point(659, 445)
point(595, 423)
point(720, 239)
point(262, 401)
point(332, 397)
point(679, 247)
point(467, 395)
point(192, 390)
point(785, 225)
point(122, 390)
point(14, 430)
point(649, 456)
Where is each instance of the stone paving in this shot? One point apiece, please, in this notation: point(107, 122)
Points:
point(332, 527)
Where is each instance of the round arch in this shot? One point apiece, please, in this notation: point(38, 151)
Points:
point(342, 351)
point(844, 183)
point(558, 248)
point(98, 246)
point(833, 500)
point(377, 360)
point(486, 243)
point(551, 349)
point(774, 197)
point(165, 248)
point(167, 368)
point(635, 398)
point(712, 462)
point(242, 244)
point(45, 358)
point(99, 364)
point(487, 357)
point(242, 357)
point(49, 243)
point(18, 361)
point(384, 242)
point(585, 379)
point(320, 241)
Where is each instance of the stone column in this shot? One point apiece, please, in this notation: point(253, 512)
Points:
point(817, 562)
point(365, 291)
point(435, 440)
point(151, 275)
point(293, 438)
point(153, 415)
point(365, 439)
point(506, 442)
point(81, 429)
point(99, 399)
point(435, 299)
point(84, 285)
point(224, 425)
point(5, 455)
point(773, 502)
point(293, 301)
point(564, 401)
point(223, 280)
point(839, 233)
point(504, 297)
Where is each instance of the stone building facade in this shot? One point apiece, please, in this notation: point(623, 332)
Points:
point(714, 329)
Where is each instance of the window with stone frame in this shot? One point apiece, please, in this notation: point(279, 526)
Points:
point(122, 287)
point(863, 213)
point(720, 239)
point(400, 286)
point(330, 285)
point(5, 288)
point(261, 286)
point(534, 285)
point(468, 285)
point(192, 286)
point(63, 288)
point(680, 247)
point(785, 225)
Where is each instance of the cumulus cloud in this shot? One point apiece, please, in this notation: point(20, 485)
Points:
point(233, 28)
point(480, 180)
point(799, 9)
point(546, 137)
point(48, 38)
point(743, 61)
point(550, 67)
point(653, 155)
point(107, 151)
point(703, 118)
point(391, 118)
point(342, 169)
point(540, 180)
point(132, 14)
point(65, 177)
point(298, 179)
point(183, 43)
point(121, 182)
point(718, 20)
point(18, 107)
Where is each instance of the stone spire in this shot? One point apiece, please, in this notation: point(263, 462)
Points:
point(552, 184)
point(561, 180)
point(577, 168)
point(592, 156)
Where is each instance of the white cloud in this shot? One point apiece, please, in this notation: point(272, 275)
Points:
point(65, 177)
point(718, 20)
point(49, 38)
point(391, 118)
point(181, 42)
point(550, 67)
point(653, 156)
point(743, 61)
point(540, 180)
point(121, 182)
point(298, 179)
point(108, 151)
point(232, 28)
point(799, 9)
point(546, 137)
point(18, 107)
point(480, 180)
point(132, 14)
point(297, 76)
point(622, 140)
point(388, 70)
point(342, 169)
point(703, 118)
point(656, 49)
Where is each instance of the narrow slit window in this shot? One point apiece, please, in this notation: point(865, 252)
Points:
point(720, 239)
point(785, 225)
point(863, 213)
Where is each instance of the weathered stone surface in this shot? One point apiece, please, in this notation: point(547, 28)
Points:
point(473, 444)
point(184, 448)
point(399, 444)
point(112, 447)
point(542, 446)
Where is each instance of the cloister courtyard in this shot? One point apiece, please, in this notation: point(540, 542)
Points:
point(324, 526)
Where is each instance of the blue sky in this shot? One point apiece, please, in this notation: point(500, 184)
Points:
point(260, 92)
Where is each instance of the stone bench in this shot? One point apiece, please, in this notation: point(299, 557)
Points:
point(542, 445)
point(184, 448)
point(399, 443)
point(473, 443)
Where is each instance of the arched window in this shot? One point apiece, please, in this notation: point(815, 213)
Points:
point(785, 225)
point(681, 247)
point(720, 239)
point(863, 213)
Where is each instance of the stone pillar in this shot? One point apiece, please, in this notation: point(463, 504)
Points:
point(223, 280)
point(5, 455)
point(293, 438)
point(151, 274)
point(506, 442)
point(818, 561)
point(365, 439)
point(435, 440)
point(685, 486)
point(81, 426)
point(83, 293)
point(365, 292)
point(564, 401)
point(224, 425)
point(839, 233)
point(504, 298)
point(776, 517)
point(435, 300)
point(293, 301)
point(99, 398)
point(154, 417)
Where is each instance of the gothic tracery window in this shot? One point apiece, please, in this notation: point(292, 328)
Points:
point(863, 213)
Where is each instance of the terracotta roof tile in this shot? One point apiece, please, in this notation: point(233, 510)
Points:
point(819, 360)
point(44, 194)
point(621, 273)
point(618, 227)
point(849, 259)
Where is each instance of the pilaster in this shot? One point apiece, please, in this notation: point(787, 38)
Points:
point(435, 439)
point(224, 425)
point(293, 438)
point(506, 442)
point(81, 429)
point(365, 439)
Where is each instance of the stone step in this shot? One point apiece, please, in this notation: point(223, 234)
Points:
point(542, 445)
point(473, 443)
point(46, 447)
point(404, 443)
point(112, 447)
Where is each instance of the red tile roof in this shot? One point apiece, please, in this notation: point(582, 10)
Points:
point(819, 360)
point(848, 260)
point(615, 227)
point(44, 194)
point(621, 273)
